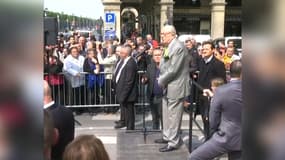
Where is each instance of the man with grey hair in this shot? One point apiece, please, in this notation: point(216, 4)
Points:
point(125, 77)
point(174, 79)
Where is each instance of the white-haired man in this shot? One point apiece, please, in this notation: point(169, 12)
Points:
point(174, 78)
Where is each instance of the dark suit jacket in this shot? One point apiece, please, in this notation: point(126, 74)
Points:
point(86, 66)
point(126, 87)
point(193, 64)
point(214, 69)
point(150, 74)
point(225, 115)
point(64, 122)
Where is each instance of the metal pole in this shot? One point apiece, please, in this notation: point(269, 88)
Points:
point(190, 128)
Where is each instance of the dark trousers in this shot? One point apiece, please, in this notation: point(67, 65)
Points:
point(204, 106)
point(127, 110)
point(109, 96)
point(109, 92)
point(93, 95)
point(77, 96)
point(156, 112)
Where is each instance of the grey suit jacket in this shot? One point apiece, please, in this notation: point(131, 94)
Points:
point(225, 115)
point(174, 71)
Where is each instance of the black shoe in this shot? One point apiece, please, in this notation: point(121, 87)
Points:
point(160, 141)
point(130, 129)
point(167, 149)
point(119, 125)
point(119, 122)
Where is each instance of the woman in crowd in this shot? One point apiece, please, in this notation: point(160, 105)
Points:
point(91, 65)
point(52, 69)
point(109, 66)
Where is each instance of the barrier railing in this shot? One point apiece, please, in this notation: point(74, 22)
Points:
point(89, 90)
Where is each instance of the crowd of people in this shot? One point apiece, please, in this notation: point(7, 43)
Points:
point(89, 66)
point(80, 69)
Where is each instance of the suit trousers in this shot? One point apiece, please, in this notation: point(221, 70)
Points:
point(172, 110)
point(204, 107)
point(211, 149)
point(127, 110)
point(156, 112)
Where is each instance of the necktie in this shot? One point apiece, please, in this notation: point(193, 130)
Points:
point(119, 67)
point(165, 52)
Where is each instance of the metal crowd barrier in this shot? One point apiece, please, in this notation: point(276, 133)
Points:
point(89, 90)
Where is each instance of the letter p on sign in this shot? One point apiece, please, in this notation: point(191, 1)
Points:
point(110, 17)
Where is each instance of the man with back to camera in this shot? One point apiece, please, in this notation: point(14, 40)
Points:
point(225, 120)
point(63, 120)
point(174, 79)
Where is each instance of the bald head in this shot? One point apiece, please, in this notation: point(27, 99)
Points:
point(236, 69)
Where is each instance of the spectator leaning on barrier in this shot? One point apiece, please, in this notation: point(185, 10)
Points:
point(86, 147)
point(52, 69)
point(91, 65)
point(73, 68)
point(109, 66)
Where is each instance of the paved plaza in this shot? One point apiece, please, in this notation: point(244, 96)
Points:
point(135, 145)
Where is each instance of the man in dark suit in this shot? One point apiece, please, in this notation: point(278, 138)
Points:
point(126, 86)
point(210, 68)
point(63, 121)
point(225, 120)
point(154, 91)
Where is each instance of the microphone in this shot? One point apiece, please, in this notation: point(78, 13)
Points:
point(140, 54)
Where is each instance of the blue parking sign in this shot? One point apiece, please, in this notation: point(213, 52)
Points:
point(110, 17)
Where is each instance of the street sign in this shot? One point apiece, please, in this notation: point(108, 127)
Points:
point(110, 18)
point(109, 26)
point(109, 35)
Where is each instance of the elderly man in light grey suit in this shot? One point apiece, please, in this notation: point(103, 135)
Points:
point(225, 120)
point(174, 78)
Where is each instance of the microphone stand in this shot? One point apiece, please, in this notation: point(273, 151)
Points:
point(144, 129)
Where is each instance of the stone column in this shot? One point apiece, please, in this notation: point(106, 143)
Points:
point(166, 12)
point(114, 6)
point(276, 25)
point(217, 18)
